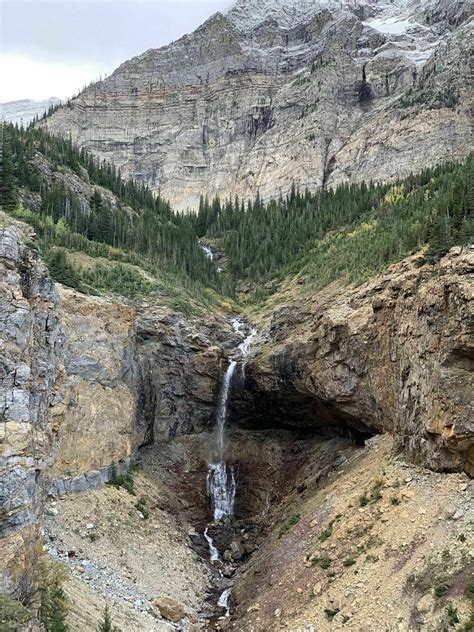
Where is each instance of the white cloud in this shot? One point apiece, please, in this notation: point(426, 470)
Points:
point(54, 47)
point(27, 78)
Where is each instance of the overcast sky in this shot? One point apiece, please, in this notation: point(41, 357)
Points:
point(53, 48)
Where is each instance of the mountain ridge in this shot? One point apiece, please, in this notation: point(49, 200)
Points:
point(229, 111)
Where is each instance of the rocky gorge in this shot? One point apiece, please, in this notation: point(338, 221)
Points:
point(257, 417)
point(91, 385)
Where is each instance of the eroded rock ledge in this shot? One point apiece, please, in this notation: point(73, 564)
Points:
point(395, 355)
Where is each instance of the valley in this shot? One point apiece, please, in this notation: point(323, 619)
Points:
point(237, 332)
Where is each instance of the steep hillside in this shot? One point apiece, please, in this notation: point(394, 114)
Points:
point(98, 233)
point(273, 92)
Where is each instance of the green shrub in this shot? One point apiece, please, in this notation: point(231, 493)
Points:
point(60, 269)
point(349, 562)
point(12, 614)
point(106, 624)
point(142, 506)
point(290, 522)
point(53, 600)
point(452, 614)
point(53, 610)
point(323, 562)
point(123, 480)
point(326, 533)
point(376, 493)
point(374, 496)
point(440, 590)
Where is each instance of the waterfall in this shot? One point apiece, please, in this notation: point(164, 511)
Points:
point(221, 482)
point(207, 251)
point(224, 601)
point(244, 349)
point(213, 552)
point(209, 254)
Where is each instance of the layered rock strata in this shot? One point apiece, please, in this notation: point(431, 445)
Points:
point(272, 93)
point(395, 355)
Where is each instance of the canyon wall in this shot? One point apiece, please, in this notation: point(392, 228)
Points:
point(86, 381)
point(31, 354)
point(395, 355)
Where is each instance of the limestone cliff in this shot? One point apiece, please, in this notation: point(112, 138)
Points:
point(31, 352)
point(395, 355)
point(275, 92)
point(85, 381)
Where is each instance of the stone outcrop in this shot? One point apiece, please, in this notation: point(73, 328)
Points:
point(84, 382)
point(93, 410)
point(272, 93)
point(31, 351)
point(395, 355)
point(181, 364)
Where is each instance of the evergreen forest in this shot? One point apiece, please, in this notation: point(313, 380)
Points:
point(348, 233)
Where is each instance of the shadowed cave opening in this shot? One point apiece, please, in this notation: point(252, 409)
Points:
point(270, 435)
point(285, 408)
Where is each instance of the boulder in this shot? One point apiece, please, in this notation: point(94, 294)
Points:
point(170, 609)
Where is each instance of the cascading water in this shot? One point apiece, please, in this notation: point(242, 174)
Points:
point(207, 251)
point(221, 482)
point(244, 349)
point(210, 254)
point(224, 601)
point(221, 485)
point(213, 552)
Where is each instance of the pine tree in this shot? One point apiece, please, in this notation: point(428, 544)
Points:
point(106, 624)
point(53, 609)
point(8, 182)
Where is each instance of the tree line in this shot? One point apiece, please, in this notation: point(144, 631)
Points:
point(136, 221)
point(352, 231)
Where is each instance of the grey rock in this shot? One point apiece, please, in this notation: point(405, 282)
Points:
point(273, 93)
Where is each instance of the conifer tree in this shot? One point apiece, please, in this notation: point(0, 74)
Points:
point(8, 183)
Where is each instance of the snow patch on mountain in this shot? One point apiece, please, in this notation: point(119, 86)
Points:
point(25, 110)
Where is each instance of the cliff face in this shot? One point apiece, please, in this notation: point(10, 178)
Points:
point(395, 355)
point(272, 93)
point(30, 357)
point(84, 382)
point(93, 410)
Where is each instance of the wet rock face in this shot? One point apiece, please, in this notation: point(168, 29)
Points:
point(395, 355)
point(264, 96)
point(180, 368)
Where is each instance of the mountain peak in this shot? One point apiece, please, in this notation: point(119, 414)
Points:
point(248, 14)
